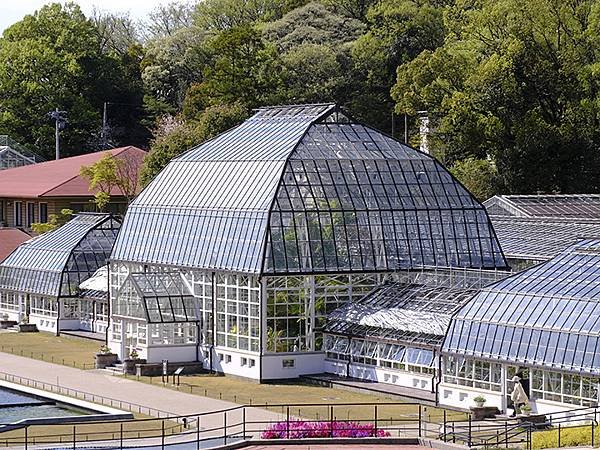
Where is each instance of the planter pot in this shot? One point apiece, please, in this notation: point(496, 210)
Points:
point(479, 404)
point(27, 327)
point(4, 324)
point(103, 360)
point(129, 365)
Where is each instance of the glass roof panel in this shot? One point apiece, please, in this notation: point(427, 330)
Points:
point(544, 315)
point(57, 262)
point(304, 189)
point(412, 313)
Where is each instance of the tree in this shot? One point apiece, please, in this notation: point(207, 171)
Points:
point(398, 31)
point(244, 68)
point(168, 19)
point(54, 221)
point(479, 176)
point(317, 34)
point(116, 31)
point(52, 59)
point(514, 82)
point(220, 15)
point(174, 136)
point(170, 66)
point(110, 174)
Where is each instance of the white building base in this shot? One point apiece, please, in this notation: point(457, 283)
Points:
point(44, 323)
point(381, 375)
point(462, 396)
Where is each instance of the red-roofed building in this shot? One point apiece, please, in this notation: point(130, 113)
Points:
point(31, 193)
point(10, 239)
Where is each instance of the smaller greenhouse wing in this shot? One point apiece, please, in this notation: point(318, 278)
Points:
point(408, 313)
point(57, 262)
point(548, 315)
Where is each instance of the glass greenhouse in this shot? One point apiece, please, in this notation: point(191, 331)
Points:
point(13, 154)
point(543, 323)
point(278, 222)
point(41, 277)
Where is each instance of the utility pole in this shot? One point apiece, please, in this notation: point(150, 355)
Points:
point(60, 122)
point(406, 129)
point(104, 126)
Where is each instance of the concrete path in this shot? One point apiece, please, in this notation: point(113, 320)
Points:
point(102, 384)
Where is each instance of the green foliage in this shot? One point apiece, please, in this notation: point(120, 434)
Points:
point(107, 175)
point(54, 58)
point(317, 34)
point(513, 82)
point(479, 176)
point(54, 221)
point(173, 137)
point(224, 14)
point(569, 437)
point(243, 69)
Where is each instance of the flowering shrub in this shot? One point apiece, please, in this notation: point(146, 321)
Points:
point(302, 430)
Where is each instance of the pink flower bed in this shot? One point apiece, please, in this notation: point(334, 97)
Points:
point(302, 430)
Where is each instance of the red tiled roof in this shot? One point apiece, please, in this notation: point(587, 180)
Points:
point(10, 239)
point(59, 178)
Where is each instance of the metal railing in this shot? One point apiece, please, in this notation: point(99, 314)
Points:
point(85, 396)
point(51, 359)
point(217, 428)
point(520, 431)
point(325, 420)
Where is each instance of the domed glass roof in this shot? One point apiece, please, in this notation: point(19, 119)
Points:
point(303, 190)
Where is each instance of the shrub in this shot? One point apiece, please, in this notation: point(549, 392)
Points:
point(569, 437)
point(302, 430)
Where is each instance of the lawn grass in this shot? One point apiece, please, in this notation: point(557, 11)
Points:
point(76, 352)
point(299, 392)
point(66, 350)
point(50, 434)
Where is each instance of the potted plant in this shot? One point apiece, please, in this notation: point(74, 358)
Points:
point(5, 322)
point(25, 326)
point(526, 409)
point(130, 363)
point(105, 357)
point(479, 401)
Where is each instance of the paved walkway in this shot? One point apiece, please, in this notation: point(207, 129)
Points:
point(101, 384)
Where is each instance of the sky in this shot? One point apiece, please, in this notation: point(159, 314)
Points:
point(12, 11)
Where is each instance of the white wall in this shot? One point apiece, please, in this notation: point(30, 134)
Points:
point(462, 396)
point(233, 362)
point(304, 364)
point(44, 323)
point(12, 315)
point(174, 353)
point(69, 324)
point(381, 375)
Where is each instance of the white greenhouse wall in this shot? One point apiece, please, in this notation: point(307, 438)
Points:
point(44, 323)
point(303, 364)
point(381, 375)
point(11, 315)
point(462, 396)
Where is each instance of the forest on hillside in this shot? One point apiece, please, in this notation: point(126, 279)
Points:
point(512, 87)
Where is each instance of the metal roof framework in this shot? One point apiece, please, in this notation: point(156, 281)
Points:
point(581, 206)
point(306, 190)
point(57, 262)
point(13, 154)
point(411, 314)
point(157, 297)
point(540, 239)
point(546, 316)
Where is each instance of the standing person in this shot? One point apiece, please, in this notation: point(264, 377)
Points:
point(518, 396)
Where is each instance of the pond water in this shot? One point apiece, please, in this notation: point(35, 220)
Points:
point(15, 406)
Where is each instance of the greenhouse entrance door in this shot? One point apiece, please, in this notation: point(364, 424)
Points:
point(523, 374)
